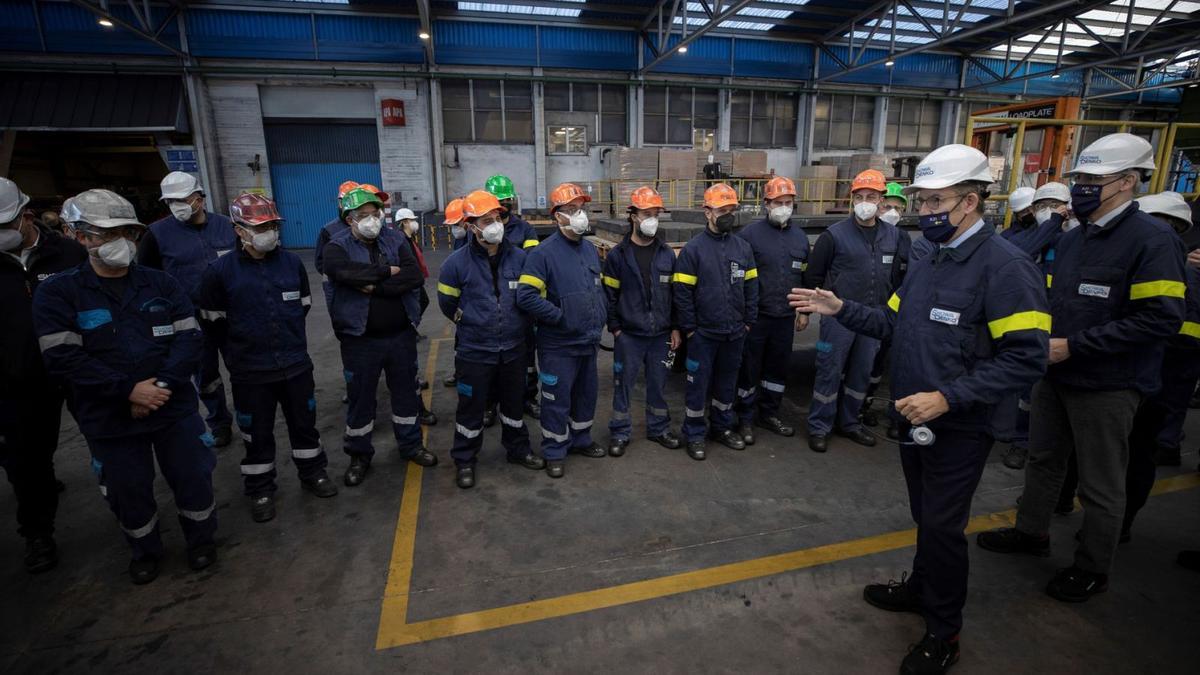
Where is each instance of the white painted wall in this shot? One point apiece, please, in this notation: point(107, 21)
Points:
point(574, 168)
point(477, 162)
point(238, 136)
point(405, 153)
point(784, 162)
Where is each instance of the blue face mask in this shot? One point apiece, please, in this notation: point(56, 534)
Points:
point(936, 227)
point(1085, 199)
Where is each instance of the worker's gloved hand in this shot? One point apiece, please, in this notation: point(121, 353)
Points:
point(816, 300)
point(145, 393)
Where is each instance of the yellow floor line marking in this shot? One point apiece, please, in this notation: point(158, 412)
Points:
point(395, 631)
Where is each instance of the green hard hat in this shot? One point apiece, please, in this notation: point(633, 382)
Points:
point(896, 190)
point(357, 197)
point(501, 187)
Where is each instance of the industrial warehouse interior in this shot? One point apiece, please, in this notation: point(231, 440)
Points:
point(638, 336)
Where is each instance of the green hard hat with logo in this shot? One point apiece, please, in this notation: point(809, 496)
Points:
point(896, 190)
point(501, 187)
point(358, 197)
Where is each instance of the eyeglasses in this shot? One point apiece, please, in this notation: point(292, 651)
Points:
point(935, 202)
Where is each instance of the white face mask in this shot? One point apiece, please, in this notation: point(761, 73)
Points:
point(10, 239)
point(1042, 215)
point(865, 210)
point(648, 227)
point(891, 216)
point(182, 211)
point(116, 253)
point(578, 222)
point(457, 231)
point(370, 227)
point(780, 214)
point(264, 242)
point(493, 233)
point(411, 227)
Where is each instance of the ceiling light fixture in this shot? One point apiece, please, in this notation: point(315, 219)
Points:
point(105, 22)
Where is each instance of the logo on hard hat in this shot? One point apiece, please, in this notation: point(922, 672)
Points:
point(1089, 159)
point(925, 171)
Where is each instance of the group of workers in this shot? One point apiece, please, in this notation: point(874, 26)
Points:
point(1083, 311)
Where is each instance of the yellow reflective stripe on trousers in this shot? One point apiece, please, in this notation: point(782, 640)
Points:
point(751, 273)
point(531, 280)
point(610, 281)
point(1049, 280)
point(894, 303)
point(1153, 289)
point(1190, 329)
point(448, 290)
point(1019, 321)
point(689, 279)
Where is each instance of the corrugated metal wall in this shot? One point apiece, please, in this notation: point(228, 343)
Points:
point(308, 161)
point(474, 43)
point(771, 59)
point(588, 48)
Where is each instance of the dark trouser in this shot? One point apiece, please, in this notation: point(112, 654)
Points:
point(478, 384)
point(630, 354)
point(1158, 423)
point(531, 371)
point(763, 374)
point(844, 360)
point(364, 359)
point(1095, 425)
point(879, 367)
point(712, 367)
point(255, 409)
point(211, 388)
point(569, 389)
point(941, 480)
point(29, 427)
point(125, 467)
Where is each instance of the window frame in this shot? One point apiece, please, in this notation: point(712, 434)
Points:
point(503, 110)
point(550, 133)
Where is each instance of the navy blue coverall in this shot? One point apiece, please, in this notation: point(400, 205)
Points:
point(103, 336)
point(560, 288)
point(255, 310)
point(856, 263)
point(184, 250)
point(716, 304)
point(639, 310)
point(781, 256)
point(479, 294)
point(374, 315)
point(971, 322)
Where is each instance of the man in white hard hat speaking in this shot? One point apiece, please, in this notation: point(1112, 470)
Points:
point(1117, 295)
point(971, 328)
point(182, 245)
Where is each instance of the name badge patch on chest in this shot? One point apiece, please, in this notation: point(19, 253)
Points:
point(887, 259)
point(163, 331)
point(798, 265)
point(944, 316)
point(736, 273)
point(1094, 290)
point(291, 295)
point(512, 285)
point(664, 278)
point(597, 281)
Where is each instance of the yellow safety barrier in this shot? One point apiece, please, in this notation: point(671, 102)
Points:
point(1165, 144)
point(688, 193)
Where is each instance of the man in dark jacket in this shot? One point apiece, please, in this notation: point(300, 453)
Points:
point(30, 400)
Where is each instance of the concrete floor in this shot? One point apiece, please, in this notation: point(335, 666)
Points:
point(304, 593)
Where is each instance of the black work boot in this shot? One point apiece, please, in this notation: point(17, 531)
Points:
point(931, 656)
point(1073, 584)
point(143, 570)
point(775, 425)
point(320, 485)
point(262, 508)
point(1012, 540)
point(894, 596)
point(357, 471)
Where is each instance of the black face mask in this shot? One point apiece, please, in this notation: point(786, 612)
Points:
point(725, 223)
point(1027, 220)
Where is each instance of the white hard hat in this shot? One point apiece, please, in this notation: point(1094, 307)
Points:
point(950, 165)
point(12, 200)
point(103, 209)
point(1166, 204)
point(179, 185)
point(1115, 153)
point(1053, 190)
point(1021, 198)
point(405, 214)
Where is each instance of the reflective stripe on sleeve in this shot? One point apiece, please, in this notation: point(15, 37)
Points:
point(1161, 287)
point(446, 289)
point(1019, 321)
point(65, 337)
point(894, 303)
point(689, 279)
point(610, 281)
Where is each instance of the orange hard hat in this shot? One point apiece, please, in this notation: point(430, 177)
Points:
point(479, 203)
point(646, 198)
point(720, 195)
point(565, 194)
point(779, 186)
point(371, 188)
point(454, 212)
point(869, 180)
point(346, 187)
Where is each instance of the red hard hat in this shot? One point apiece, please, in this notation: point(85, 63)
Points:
point(253, 209)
